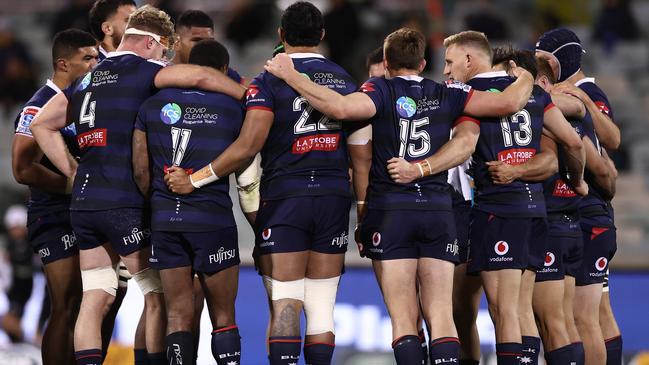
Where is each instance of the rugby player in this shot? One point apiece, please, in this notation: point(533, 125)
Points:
point(185, 128)
point(74, 53)
point(108, 19)
point(468, 58)
point(302, 225)
point(563, 50)
point(405, 248)
point(106, 207)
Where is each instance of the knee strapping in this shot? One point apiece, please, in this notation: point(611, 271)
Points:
point(104, 278)
point(287, 289)
point(148, 280)
point(319, 301)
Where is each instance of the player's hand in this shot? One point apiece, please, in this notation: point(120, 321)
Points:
point(402, 171)
point(515, 71)
point(281, 66)
point(581, 188)
point(359, 242)
point(502, 173)
point(570, 89)
point(177, 181)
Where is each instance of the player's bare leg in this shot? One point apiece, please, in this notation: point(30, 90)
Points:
point(179, 306)
point(502, 288)
point(139, 344)
point(109, 322)
point(321, 285)
point(64, 288)
point(529, 332)
point(552, 322)
point(398, 282)
point(436, 292)
point(199, 302)
point(467, 290)
point(149, 282)
point(568, 312)
point(587, 301)
point(610, 331)
point(287, 272)
point(95, 304)
point(220, 290)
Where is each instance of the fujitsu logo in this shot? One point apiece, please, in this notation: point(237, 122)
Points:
point(136, 236)
point(222, 255)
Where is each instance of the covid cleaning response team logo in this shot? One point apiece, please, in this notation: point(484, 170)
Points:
point(406, 107)
point(170, 113)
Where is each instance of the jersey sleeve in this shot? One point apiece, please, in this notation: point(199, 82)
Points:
point(259, 95)
point(457, 95)
point(148, 70)
point(140, 120)
point(599, 98)
point(547, 101)
point(25, 119)
point(377, 89)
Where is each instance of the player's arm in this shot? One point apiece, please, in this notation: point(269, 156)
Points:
point(540, 167)
point(568, 138)
point(607, 131)
point(452, 153)
point(570, 106)
point(254, 132)
point(359, 145)
point(248, 180)
point(141, 170)
point(198, 77)
point(354, 106)
point(511, 100)
point(45, 129)
point(602, 169)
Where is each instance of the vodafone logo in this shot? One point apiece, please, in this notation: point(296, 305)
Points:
point(549, 259)
point(501, 248)
point(266, 234)
point(376, 238)
point(601, 263)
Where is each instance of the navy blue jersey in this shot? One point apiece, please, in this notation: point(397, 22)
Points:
point(414, 117)
point(102, 54)
point(42, 202)
point(559, 196)
point(305, 153)
point(234, 75)
point(596, 94)
point(513, 140)
point(189, 128)
point(593, 201)
point(103, 105)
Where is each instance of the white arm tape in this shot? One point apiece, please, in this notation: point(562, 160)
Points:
point(250, 174)
point(248, 186)
point(103, 278)
point(208, 180)
point(319, 301)
point(360, 136)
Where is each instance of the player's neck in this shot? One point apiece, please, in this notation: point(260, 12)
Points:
point(290, 49)
point(402, 72)
point(480, 69)
point(107, 45)
point(576, 77)
point(61, 80)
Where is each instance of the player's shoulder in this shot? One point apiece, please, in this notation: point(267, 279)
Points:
point(491, 81)
point(43, 95)
point(591, 88)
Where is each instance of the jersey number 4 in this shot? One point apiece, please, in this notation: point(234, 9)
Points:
point(87, 114)
point(409, 133)
point(523, 136)
point(179, 142)
point(303, 126)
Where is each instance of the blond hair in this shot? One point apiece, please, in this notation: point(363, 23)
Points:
point(154, 20)
point(470, 38)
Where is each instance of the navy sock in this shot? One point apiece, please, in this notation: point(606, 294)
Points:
point(444, 350)
point(180, 350)
point(578, 350)
point(509, 353)
point(318, 353)
point(226, 345)
point(88, 357)
point(141, 357)
point(561, 356)
point(614, 350)
point(531, 349)
point(407, 350)
point(158, 358)
point(469, 362)
point(424, 345)
point(284, 350)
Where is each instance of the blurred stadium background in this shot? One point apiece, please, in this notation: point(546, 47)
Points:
point(615, 34)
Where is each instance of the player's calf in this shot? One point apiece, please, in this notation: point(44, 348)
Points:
point(284, 343)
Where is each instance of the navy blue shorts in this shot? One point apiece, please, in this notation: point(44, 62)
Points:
point(316, 223)
point(462, 213)
point(538, 244)
point(126, 229)
point(205, 252)
point(52, 238)
point(502, 242)
point(599, 248)
point(409, 234)
point(564, 236)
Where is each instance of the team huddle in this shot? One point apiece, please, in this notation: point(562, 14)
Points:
point(497, 178)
